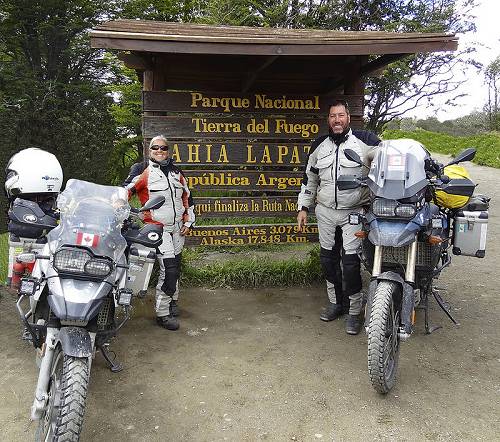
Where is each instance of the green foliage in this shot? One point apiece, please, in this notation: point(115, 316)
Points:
point(126, 112)
point(161, 10)
point(51, 90)
point(472, 124)
point(4, 256)
point(487, 145)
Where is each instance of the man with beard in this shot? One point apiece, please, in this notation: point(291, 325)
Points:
point(326, 162)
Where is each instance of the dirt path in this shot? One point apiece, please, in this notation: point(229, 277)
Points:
point(260, 365)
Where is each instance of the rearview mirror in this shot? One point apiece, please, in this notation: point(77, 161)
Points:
point(466, 155)
point(153, 204)
point(353, 156)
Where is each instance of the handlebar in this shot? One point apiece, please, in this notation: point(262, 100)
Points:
point(433, 167)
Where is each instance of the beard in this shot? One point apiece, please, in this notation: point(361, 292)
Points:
point(338, 138)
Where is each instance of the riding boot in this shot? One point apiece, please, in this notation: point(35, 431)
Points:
point(168, 321)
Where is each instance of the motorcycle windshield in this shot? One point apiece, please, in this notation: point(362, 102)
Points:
point(397, 170)
point(91, 216)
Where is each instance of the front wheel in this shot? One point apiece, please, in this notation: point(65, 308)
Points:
point(383, 338)
point(63, 418)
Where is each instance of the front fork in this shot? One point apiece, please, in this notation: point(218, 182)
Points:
point(47, 351)
point(47, 355)
point(407, 285)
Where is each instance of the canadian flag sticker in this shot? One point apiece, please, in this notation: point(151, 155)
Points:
point(87, 239)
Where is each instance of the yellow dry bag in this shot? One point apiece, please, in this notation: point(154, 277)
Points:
point(448, 200)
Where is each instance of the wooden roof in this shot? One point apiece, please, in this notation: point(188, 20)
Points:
point(143, 35)
point(241, 59)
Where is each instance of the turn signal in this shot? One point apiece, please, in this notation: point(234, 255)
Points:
point(361, 234)
point(433, 240)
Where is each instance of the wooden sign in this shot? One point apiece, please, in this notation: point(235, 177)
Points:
point(230, 103)
point(238, 153)
point(258, 181)
point(216, 207)
point(227, 128)
point(251, 234)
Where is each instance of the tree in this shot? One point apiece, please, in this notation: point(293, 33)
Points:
point(126, 112)
point(405, 84)
point(52, 93)
point(161, 10)
point(492, 107)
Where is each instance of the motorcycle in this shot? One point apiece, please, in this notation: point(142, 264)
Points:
point(405, 242)
point(80, 293)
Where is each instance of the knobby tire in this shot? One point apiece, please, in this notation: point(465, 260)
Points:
point(71, 395)
point(383, 339)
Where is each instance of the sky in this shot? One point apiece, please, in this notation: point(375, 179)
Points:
point(487, 43)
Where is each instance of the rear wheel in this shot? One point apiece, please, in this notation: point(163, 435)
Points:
point(63, 418)
point(383, 339)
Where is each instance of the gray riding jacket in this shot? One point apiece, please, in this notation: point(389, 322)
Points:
point(327, 161)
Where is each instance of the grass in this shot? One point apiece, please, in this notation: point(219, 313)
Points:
point(487, 145)
point(4, 256)
point(252, 272)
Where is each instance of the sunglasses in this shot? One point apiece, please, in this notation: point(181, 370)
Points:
point(156, 147)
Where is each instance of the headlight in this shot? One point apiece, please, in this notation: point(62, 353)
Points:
point(391, 208)
point(81, 262)
point(383, 207)
point(71, 260)
point(405, 211)
point(98, 267)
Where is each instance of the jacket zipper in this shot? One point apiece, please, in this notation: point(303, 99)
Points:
point(336, 168)
point(171, 194)
point(173, 202)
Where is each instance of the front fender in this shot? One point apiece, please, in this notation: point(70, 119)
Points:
point(75, 341)
point(391, 233)
point(407, 304)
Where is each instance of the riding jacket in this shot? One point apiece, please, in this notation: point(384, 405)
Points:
point(170, 182)
point(327, 161)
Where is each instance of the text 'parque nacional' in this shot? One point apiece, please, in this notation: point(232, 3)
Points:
point(259, 101)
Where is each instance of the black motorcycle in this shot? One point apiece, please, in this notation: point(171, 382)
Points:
point(405, 246)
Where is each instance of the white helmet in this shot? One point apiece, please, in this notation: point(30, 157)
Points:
point(33, 171)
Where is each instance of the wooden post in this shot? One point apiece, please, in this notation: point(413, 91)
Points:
point(147, 85)
point(354, 82)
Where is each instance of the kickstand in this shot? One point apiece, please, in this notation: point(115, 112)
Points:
point(115, 367)
point(443, 306)
point(425, 307)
